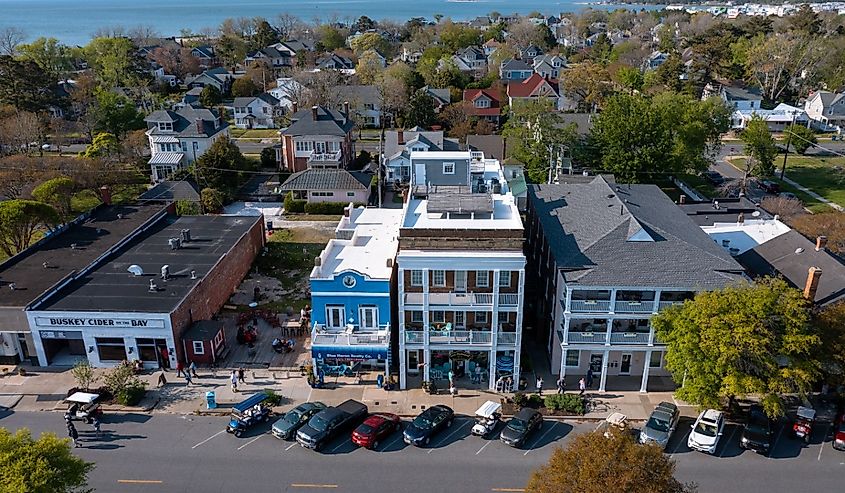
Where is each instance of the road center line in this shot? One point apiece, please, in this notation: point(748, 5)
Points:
point(249, 442)
point(310, 485)
point(450, 435)
point(294, 444)
point(209, 438)
point(548, 429)
point(139, 481)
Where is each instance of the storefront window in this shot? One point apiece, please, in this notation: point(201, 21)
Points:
point(572, 358)
point(111, 348)
point(147, 350)
point(656, 359)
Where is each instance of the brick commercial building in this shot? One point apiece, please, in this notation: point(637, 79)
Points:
point(138, 301)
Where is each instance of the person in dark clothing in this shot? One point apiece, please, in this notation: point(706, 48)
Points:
point(241, 375)
point(73, 434)
point(589, 378)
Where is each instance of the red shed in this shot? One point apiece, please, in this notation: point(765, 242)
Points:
point(204, 342)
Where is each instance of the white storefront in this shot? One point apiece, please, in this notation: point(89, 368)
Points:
point(103, 338)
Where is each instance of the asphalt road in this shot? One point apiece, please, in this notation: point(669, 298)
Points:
point(163, 453)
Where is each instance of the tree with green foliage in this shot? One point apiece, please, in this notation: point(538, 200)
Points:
point(53, 57)
point(760, 147)
point(83, 374)
point(57, 193)
point(104, 145)
point(218, 166)
point(597, 462)
point(231, 49)
point(458, 36)
point(600, 51)
point(669, 73)
point(188, 208)
point(745, 339)
point(369, 68)
point(830, 321)
point(244, 87)
point(24, 85)
point(630, 78)
point(116, 114)
point(330, 37)
point(802, 138)
point(210, 96)
point(805, 20)
point(588, 82)
point(369, 41)
point(532, 128)
point(548, 38)
point(268, 158)
point(20, 222)
point(45, 465)
point(211, 200)
point(264, 35)
point(124, 385)
point(496, 32)
point(115, 61)
point(420, 110)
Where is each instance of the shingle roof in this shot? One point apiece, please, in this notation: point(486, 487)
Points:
point(604, 234)
point(741, 94)
point(326, 179)
point(527, 87)
point(168, 191)
point(493, 146)
point(185, 122)
point(434, 139)
point(328, 122)
point(516, 64)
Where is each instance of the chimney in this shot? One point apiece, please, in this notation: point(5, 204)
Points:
point(812, 285)
point(400, 135)
point(346, 108)
point(199, 126)
point(314, 113)
point(105, 194)
point(294, 107)
point(821, 242)
point(682, 199)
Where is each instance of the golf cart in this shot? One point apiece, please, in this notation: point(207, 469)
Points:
point(615, 423)
point(486, 418)
point(804, 419)
point(83, 406)
point(249, 413)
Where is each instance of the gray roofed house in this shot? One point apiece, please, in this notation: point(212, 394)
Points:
point(442, 97)
point(605, 234)
point(318, 137)
point(327, 122)
point(493, 146)
point(329, 185)
point(218, 77)
point(515, 69)
point(363, 102)
point(583, 121)
point(257, 111)
point(179, 137)
point(826, 110)
point(398, 145)
point(334, 61)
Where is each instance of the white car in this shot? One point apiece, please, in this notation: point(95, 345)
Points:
point(706, 431)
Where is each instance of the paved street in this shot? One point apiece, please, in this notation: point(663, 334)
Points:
point(139, 453)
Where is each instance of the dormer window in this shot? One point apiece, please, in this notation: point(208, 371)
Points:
point(165, 126)
point(482, 103)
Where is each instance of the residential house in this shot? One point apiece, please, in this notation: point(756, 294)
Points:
point(826, 110)
point(375, 54)
point(490, 146)
point(317, 137)
point(353, 290)
point(410, 55)
point(192, 97)
point(178, 138)
point(515, 69)
point(549, 66)
point(256, 111)
point(530, 52)
point(333, 61)
point(461, 274)
point(738, 98)
point(218, 77)
point(459, 63)
point(474, 58)
point(481, 23)
point(485, 104)
point(270, 55)
point(604, 258)
point(328, 185)
point(777, 119)
point(206, 56)
point(399, 144)
point(441, 96)
point(287, 91)
point(533, 88)
point(654, 60)
point(490, 46)
point(364, 103)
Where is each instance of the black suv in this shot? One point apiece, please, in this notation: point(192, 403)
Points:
point(427, 424)
point(757, 433)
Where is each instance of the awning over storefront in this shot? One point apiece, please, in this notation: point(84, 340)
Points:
point(350, 353)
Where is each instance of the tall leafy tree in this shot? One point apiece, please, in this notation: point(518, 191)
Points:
point(533, 127)
point(741, 340)
point(802, 138)
point(56, 192)
point(116, 114)
point(210, 96)
point(20, 222)
point(43, 465)
point(595, 463)
point(588, 82)
point(760, 147)
point(115, 61)
point(53, 57)
point(420, 110)
point(218, 167)
point(244, 87)
point(24, 85)
point(264, 35)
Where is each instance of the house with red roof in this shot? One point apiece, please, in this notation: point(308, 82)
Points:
point(485, 104)
point(534, 87)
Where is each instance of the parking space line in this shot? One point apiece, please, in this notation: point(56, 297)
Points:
point(454, 431)
point(826, 430)
point(341, 444)
point(486, 444)
point(294, 444)
point(681, 441)
point(139, 481)
point(725, 443)
point(209, 438)
point(249, 442)
point(312, 485)
point(548, 429)
point(777, 438)
point(390, 443)
point(508, 489)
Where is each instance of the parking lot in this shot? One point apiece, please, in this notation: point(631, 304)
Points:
point(190, 453)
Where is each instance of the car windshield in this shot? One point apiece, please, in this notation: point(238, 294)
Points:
point(423, 422)
point(757, 427)
point(705, 428)
point(364, 429)
point(517, 425)
point(658, 423)
point(318, 423)
point(293, 416)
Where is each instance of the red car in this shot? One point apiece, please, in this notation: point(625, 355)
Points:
point(375, 428)
point(839, 433)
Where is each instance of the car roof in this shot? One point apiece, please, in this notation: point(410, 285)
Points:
point(439, 408)
point(711, 415)
point(661, 414)
point(667, 405)
point(526, 413)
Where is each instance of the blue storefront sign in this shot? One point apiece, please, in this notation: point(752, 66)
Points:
point(349, 353)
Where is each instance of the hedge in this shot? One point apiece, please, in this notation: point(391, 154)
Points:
point(569, 403)
point(326, 207)
point(293, 205)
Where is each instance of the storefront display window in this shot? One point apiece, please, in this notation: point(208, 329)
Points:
point(111, 348)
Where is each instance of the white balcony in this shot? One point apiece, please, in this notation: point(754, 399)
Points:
point(506, 338)
point(629, 337)
point(590, 306)
point(460, 337)
point(587, 337)
point(325, 157)
point(414, 337)
point(634, 306)
point(508, 299)
point(351, 335)
point(667, 304)
point(451, 299)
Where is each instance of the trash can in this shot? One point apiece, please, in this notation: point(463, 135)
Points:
point(211, 400)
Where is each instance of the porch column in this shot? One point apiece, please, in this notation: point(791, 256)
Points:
point(604, 363)
point(403, 370)
point(656, 307)
point(563, 349)
point(644, 384)
point(492, 380)
point(517, 358)
point(608, 332)
point(567, 307)
point(426, 335)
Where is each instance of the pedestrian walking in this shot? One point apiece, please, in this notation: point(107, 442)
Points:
point(179, 369)
point(188, 380)
point(234, 379)
point(96, 424)
point(193, 369)
point(582, 386)
point(241, 373)
point(589, 378)
point(451, 375)
point(539, 385)
point(162, 380)
point(73, 434)
point(561, 385)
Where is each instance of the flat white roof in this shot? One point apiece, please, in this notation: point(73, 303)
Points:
point(440, 155)
point(374, 240)
point(747, 235)
point(505, 216)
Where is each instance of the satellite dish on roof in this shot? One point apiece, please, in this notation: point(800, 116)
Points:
point(136, 270)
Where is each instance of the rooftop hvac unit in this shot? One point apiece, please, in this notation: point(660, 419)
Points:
point(136, 270)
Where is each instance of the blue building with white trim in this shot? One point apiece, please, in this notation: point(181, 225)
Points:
point(351, 290)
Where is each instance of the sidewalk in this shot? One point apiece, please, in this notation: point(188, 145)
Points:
point(45, 391)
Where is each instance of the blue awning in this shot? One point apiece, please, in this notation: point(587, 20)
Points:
point(351, 353)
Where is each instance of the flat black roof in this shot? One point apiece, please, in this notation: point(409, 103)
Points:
point(112, 288)
point(93, 237)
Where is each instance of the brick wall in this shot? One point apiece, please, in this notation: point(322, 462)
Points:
point(206, 299)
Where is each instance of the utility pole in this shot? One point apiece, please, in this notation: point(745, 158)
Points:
point(788, 141)
point(380, 157)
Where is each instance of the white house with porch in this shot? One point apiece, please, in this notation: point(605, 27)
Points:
point(178, 138)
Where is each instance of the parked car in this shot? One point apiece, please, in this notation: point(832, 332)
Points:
point(757, 433)
point(285, 427)
point(839, 433)
point(770, 186)
point(329, 423)
point(660, 425)
point(520, 427)
point(706, 431)
point(427, 424)
point(714, 177)
point(375, 428)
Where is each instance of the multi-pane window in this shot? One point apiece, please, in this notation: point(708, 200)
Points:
point(481, 317)
point(199, 348)
point(416, 316)
point(448, 168)
point(439, 278)
point(482, 278)
point(505, 279)
point(165, 126)
point(416, 278)
point(572, 358)
point(655, 359)
point(460, 319)
point(438, 316)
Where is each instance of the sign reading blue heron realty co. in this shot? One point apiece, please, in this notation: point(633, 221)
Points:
point(349, 353)
point(98, 322)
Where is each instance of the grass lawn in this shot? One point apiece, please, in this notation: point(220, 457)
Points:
point(312, 217)
point(121, 194)
point(700, 184)
point(255, 133)
point(825, 176)
point(290, 254)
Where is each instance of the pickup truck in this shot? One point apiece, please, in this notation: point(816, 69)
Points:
point(329, 422)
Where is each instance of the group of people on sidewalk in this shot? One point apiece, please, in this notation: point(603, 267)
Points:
point(188, 374)
point(583, 384)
